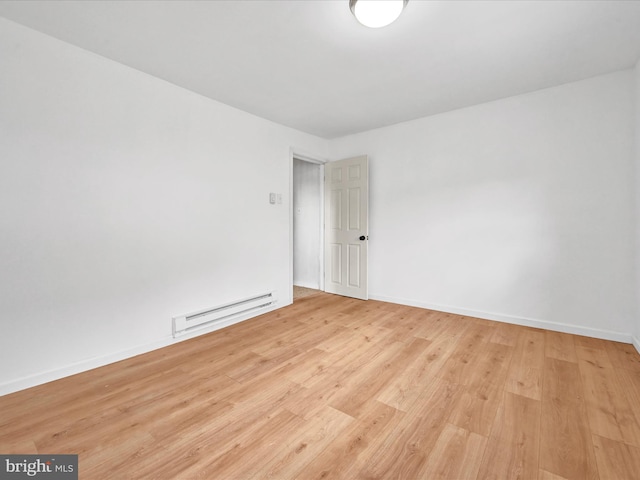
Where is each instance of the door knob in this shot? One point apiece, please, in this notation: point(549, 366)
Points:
point(362, 237)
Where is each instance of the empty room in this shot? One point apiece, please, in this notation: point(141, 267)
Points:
point(298, 239)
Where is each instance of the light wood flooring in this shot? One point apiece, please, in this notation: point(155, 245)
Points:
point(332, 387)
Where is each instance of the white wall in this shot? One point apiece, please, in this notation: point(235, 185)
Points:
point(306, 224)
point(636, 340)
point(124, 201)
point(518, 210)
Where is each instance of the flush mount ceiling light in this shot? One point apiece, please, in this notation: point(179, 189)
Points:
point(376, 13)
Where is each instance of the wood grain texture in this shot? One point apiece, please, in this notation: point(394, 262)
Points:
point(610, 414)
point(631, 381)
point(456, 455)
point(482, 391)
point(616, 460)
point(566, 447)
point(544, 475)
point(403, 453)
point(351, 450)
point(525, 372)
point(332, 387)
point(623, 356)
point(560, 346)
point(512, 449)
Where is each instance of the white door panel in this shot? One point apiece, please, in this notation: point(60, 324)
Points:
point(346, 227)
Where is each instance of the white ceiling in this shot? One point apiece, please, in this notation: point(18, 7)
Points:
point(310, 65)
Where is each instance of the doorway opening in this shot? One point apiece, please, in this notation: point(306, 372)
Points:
point(308, 244)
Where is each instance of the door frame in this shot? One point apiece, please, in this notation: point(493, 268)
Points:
point(320, 161)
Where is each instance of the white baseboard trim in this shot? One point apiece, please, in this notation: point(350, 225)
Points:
point(79, 367)
point(90, 364)
point(527, 322)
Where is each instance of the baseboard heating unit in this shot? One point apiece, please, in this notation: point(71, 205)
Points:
point(223, 314)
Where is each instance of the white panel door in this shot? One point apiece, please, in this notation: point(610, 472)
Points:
point(346, 187)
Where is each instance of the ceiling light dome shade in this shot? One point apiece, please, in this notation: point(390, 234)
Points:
point(376, 13)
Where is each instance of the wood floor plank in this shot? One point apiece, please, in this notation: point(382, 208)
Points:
point(193, 448)
point(59, 416)
point(525, 372)
point(461, 362)
point(352, 448)
point(544, 475)
point(96, 460)
point(482, 391)
point(341, 385)
point(593, 357)
point(303, 340)
point(188, 441)
point(506, 334)
point(332, 387)
point(589, 342)
point(368, 382)
point(298, 368)
point(442, 326)
point(269, 389)
point(623, 356)
point(261, 365)
point(560, 346)
point(243, 454)
point(408, 386)
point(610, 414)
point(185, 412)
point(24, 447)
point(301, 447)
point(456, 455)
point(128, 418)
point(405, 325)
point(566, 447)
point(630, 379)
point(404, 451)
point(616, 460)
point(513, 446)
point(370, 312)
point(360, 336)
